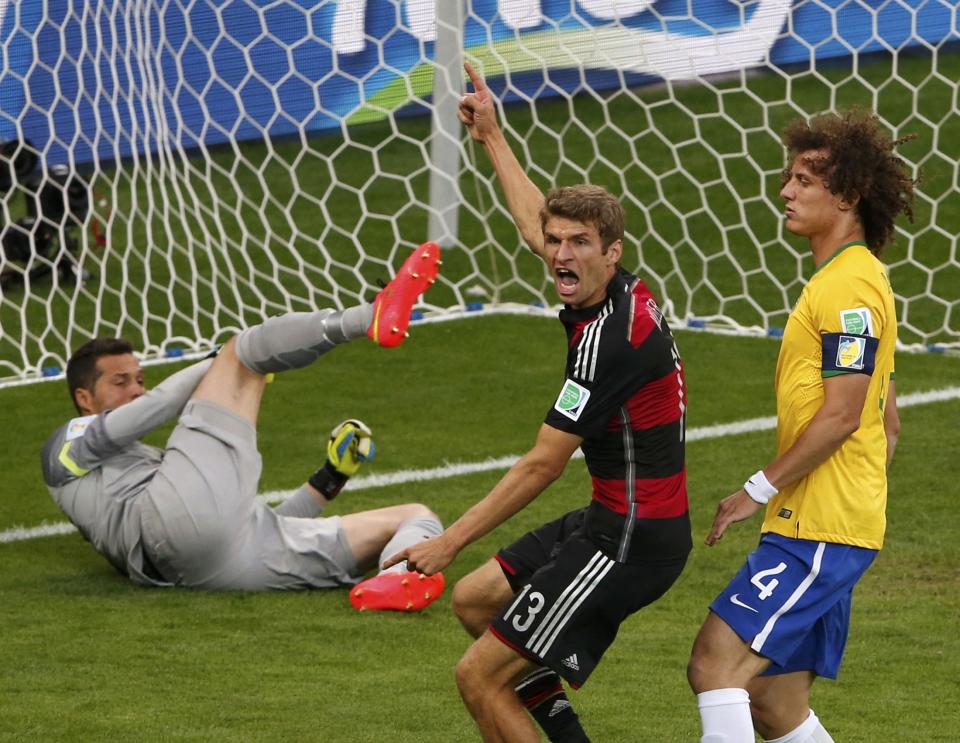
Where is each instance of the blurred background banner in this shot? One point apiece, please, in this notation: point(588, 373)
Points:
point(91, 81)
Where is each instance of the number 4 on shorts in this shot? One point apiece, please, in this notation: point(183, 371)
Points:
point(766, 589)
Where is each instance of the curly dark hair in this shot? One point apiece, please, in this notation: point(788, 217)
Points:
point(860, 163)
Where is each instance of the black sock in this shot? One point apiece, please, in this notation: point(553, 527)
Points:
point(542, 694)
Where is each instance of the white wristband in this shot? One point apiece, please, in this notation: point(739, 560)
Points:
point(758, 487)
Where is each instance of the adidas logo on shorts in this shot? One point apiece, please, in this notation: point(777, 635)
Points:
point(571, 662)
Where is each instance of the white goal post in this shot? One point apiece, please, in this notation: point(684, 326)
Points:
point(172, 171)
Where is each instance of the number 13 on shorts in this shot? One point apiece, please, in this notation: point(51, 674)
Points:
point(521, 622)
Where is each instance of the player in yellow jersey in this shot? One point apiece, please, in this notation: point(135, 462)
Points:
point(783, 619)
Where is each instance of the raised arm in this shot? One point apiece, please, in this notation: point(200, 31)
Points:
point(524, 200)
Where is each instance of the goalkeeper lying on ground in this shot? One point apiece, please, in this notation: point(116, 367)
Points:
point(188, 515)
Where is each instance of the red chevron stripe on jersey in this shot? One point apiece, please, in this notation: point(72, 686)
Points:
point(660, 498)
point(661, 401)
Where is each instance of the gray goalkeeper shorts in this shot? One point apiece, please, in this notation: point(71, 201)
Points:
point(202, 525)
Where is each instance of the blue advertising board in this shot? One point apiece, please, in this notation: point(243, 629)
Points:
point(89, 80)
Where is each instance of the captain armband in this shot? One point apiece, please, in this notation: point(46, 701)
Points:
point(844, 353)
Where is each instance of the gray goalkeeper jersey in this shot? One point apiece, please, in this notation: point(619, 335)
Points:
point(96, 483)
point(95, 468)
point(103, 478)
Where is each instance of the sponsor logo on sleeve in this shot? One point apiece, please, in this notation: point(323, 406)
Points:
point(572, 400)
point(850, 352)
point(858, 321)
point(77, 427)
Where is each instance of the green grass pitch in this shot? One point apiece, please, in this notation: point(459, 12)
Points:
point(85, 655)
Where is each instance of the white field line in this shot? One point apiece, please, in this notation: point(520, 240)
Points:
point(401, 477)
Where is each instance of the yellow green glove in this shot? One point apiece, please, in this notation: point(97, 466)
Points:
point(351, 443)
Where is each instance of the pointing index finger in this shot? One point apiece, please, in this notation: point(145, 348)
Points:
point(399, 557)
point(475, 78)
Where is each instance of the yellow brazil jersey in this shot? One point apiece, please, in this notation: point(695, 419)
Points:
point(844, 322)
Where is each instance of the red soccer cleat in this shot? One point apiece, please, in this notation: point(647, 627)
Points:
point(392, 306)
point(397, 591)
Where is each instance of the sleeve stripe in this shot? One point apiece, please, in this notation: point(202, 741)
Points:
point(67, 462)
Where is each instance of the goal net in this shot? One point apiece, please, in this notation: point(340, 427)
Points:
point(174, 170)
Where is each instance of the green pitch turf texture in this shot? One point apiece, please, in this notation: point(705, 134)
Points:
point(87, 656)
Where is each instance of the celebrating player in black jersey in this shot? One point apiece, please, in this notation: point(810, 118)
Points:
point(552, 602)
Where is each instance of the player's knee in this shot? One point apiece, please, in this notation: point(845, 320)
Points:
point(414, 511)
point(420, 511)
point(717, 659)
point(462, 602)
point(468, 678)
point(700, 671)
point(695, 674)
point(705, 672)
point(469, 608)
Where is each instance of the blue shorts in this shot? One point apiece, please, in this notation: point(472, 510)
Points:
point(791, 602)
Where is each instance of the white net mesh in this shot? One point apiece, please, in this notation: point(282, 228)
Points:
point(172, 170)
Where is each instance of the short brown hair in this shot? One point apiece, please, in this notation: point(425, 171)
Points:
point(860, 163)
point(590, 205)
point(82, 372)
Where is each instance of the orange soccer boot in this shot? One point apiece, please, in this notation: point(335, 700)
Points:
point(397, 591)
point(392, 306)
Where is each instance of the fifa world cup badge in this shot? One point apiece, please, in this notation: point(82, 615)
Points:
point(572, 400)
point(850, 352)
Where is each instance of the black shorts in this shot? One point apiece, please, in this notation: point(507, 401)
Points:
point(572, 594)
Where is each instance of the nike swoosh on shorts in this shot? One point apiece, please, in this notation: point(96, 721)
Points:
point(738, 602)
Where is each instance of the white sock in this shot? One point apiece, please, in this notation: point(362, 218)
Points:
point(725, 716)
point(409, 533)
point(808, 731)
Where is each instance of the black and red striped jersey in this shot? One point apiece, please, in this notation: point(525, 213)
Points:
point(626, 395)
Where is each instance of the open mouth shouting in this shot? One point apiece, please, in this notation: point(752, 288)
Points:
point(567, 282)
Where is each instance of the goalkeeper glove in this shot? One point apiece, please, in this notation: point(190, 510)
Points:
point(350, 444)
